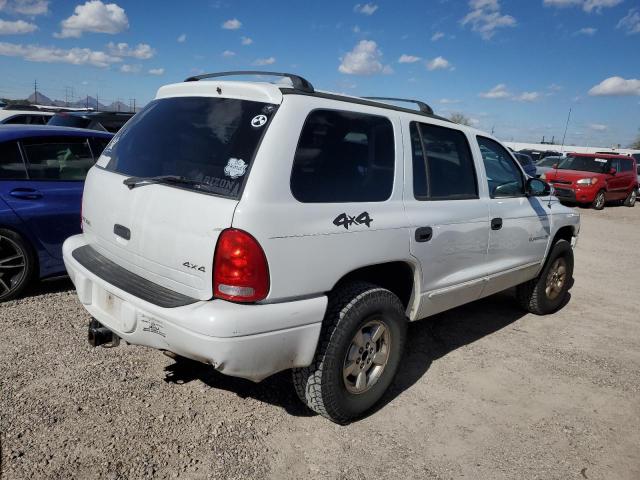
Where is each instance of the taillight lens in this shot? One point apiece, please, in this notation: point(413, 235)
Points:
point(240, 270)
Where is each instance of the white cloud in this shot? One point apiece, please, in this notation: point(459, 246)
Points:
point(246, 40)
point(448, 101)
point(527, 97)
point(142, 51)
point(499, 91)
point(228, 53)
point(598, 5)
point(408, 59)
point(156, 71)
point(616, 86)
point(232, 24)
point(554, 87)
point(94, 16)
point(589, 31)
point(265, 61)
point(485, 17)
point(598, 127)
point(182, 38)
point(364, 59)
point(631, 22)
point(25, 7)
point(75, 56)
point(437, 36)
point(587, 5)
point(439, 63)
point(16, 28)
point(365, 8)
point(126, 68)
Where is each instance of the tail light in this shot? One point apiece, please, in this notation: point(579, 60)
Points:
point(240, 270)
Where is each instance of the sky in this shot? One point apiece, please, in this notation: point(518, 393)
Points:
point(514, 67)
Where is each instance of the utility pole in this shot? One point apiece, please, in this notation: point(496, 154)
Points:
point(97, 104)
point(134, 105)
point(86, 103)
point(35, 90)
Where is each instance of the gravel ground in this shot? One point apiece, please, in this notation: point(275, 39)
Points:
point(484, 392)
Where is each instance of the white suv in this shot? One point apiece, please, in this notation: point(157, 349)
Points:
point(259, 227)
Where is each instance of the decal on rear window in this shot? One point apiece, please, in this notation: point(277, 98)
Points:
point(236, 167)
point(258, 121)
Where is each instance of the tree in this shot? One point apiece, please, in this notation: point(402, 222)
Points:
point(460, 118)
point(636, 143)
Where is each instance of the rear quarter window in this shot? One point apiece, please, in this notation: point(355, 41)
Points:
point(344, 157)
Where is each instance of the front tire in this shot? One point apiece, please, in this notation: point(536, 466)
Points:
point(548, 291)
point(630, 201)
point(17, 265)
point(599, 201)
point(358, 353)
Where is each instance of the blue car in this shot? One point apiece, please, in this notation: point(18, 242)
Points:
point(527, 163)
point(42, 172)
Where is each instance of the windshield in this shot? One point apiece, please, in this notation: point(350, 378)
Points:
point(210, 141)
point(585, 164)
point(549, 161)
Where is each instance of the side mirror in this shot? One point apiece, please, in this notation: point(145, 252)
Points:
point(538, 188)
point(613, 171)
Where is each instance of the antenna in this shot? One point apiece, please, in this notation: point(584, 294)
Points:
point(565, 130)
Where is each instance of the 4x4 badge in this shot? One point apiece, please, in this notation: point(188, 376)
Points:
point(344, 220)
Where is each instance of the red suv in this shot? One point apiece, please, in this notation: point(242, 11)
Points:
point(594, 179)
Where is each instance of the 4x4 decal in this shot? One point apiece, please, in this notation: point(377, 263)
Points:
point(344, 220)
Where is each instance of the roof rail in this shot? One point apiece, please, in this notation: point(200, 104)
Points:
point(298, 82)
point(424, 108)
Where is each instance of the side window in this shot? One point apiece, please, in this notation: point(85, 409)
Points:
point(11, 164)
point(58, 159)
point(615, 163)
point(98, 145)
point(18, 120)
point(504, 177)
point(627, 165)
point(442, 164)
point(343, 157)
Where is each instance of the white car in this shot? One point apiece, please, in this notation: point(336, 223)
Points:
point(259, 227)
point(11, 116)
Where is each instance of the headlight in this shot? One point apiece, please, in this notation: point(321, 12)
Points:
point(587, 181)
point(543, 177)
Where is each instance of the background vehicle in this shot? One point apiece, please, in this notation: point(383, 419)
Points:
point(592, 179)
point(24, 115)
point(526, 163)
point(546, 164)
point(537, 155)
point(315, 227)
point(42, 171)
point(104, 121)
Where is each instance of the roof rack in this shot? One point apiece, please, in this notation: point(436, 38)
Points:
point(298, 82)
point(424, 108)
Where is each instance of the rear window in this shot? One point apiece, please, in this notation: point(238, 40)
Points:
point(524, 159)
point(585, 164)
point(211, 141)
point(64, 120)
point(58, 158)
point(343, 157)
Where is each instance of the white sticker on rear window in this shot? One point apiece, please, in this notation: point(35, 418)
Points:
point(258, 121)
point(236, 167)
point(601, 160)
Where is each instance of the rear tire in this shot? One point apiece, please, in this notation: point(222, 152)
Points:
point(358, 353)
point(600, 200)
point(17, 264)
point(548, 291)
point(630, 201)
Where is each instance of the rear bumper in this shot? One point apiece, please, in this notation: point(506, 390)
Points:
point(248, 341)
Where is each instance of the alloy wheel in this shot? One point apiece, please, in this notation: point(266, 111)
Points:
point(366, 357)
point(556, 278)
point(13, 265)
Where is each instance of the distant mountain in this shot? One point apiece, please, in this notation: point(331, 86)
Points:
point(42, 99)
point(85, 102)
point(118, 107)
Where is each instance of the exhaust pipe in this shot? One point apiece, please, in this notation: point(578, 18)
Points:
point(101, 335)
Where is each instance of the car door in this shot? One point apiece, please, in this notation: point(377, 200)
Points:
point(616, 184)
point(48, 199)
point(449, 221)
point(520, 225)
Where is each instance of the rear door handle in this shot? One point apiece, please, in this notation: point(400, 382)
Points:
point(496, 223)
point(26, 193)
point(424, 234)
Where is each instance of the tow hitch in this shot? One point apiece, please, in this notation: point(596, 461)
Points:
point(101, 335)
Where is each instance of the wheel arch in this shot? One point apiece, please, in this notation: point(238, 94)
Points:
point(400, 277)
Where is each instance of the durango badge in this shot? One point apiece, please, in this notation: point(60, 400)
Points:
point(236, 167)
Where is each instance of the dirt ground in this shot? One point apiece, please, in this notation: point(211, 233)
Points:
point(484, 392)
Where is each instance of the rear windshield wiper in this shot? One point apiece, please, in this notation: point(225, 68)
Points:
point(133, 182)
